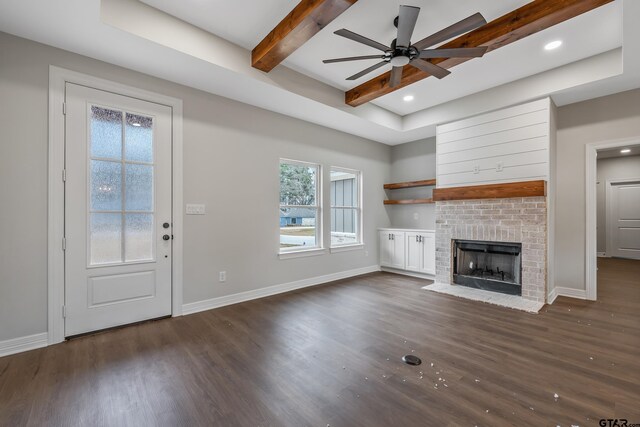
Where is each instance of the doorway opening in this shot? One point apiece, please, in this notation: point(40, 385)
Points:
point(613, 205)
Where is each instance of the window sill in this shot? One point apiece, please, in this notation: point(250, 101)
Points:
point(302, 253)
point(346, 248)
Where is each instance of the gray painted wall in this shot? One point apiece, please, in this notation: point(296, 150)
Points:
point(413, 161)
point(598, 120)
point(231, 154)
point(610, 169)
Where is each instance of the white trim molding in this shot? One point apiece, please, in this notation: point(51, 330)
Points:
point(209, 304)
point(58, 78)
point(566, 292)
point(20, 344)
point(409, 273)
point(591, 259)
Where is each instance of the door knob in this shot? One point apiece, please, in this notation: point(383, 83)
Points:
point(166, 237)
point(165, 225)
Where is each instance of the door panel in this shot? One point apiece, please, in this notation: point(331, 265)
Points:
point(624, 224)
point(397, 242)
point(386, 249)
point(413, 252)
point(429, 253)
point(117, 198)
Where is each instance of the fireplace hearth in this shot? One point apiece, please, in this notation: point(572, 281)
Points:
point(491, 266)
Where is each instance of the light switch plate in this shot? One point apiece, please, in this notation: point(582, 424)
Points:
point(193, 209)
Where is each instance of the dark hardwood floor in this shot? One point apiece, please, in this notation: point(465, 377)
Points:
point(330, 355)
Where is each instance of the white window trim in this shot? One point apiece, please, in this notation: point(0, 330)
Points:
point(359, 213)
point(318, 249)
point(58, 77)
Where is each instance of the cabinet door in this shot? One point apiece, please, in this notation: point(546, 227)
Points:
point(429, 253)
point(386, 249)
point(398, 240)
point(413, 252)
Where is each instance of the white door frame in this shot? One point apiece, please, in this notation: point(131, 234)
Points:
point(58, 78)
point(609, 209)
point(591, 255)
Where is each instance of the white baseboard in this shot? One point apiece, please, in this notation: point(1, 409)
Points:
point(409, 273)
point(20, 344)
point(602, 255)
point(566, 292)
point(196, 307)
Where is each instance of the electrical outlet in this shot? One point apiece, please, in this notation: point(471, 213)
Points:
point(499, 167)
point(476, 169)
point(366, 253)
point(223, 276)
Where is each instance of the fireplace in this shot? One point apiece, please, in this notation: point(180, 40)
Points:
point(491, 266)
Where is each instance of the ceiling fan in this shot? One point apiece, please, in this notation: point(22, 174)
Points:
point(403, 52)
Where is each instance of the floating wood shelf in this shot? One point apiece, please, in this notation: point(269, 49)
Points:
point(410, 184)
point(408, 202)
point(492, 191)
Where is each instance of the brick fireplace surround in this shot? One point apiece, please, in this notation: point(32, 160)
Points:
point(520, 220)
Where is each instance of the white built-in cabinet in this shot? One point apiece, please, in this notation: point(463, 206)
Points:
point(408, 250)
point(392, 248)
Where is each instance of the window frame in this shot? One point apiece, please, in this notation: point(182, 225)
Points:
point(359, 211)
point(318, 248)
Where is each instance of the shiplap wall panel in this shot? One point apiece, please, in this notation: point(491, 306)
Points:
point(507, 136)
point(515, 147)
point(502, 146)
point(507, 161)
point(509, 174)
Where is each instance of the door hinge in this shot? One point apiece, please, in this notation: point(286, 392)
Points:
point(64, 108)
point(64, 175)
point(64, 311)
point(64, 244)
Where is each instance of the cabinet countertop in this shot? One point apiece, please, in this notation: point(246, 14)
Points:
point(406, 229)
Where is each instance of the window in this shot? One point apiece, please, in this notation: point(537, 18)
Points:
point(300, 218)
point(346, 213)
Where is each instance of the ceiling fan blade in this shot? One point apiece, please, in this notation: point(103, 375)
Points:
point(430, 68)
point(353, 58)
point(367, 70)
point(463, 52)
point(406, 23)
point(396, 76)
point(361, 39)
point(467, 24)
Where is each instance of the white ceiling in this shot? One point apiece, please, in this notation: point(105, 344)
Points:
point(136, 36)
point(584, 36)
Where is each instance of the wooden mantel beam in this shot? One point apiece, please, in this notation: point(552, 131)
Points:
point(302, 23)
point(515, 25)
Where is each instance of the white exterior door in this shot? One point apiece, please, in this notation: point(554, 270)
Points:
point(624, 220)
point(117, 210)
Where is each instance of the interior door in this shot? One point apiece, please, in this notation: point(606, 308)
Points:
point(624, 220)
point(117, 210)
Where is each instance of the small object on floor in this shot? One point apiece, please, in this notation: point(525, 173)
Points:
point(410, 359)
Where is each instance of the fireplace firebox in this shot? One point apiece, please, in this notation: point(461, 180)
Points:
point(491, 266)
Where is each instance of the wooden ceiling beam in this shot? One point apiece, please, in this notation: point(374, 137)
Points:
point(515, 25)
point(302, 23)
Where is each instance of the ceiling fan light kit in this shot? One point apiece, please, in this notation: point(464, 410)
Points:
point(402, 52)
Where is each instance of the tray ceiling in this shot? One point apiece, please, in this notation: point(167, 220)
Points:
point(587, 35)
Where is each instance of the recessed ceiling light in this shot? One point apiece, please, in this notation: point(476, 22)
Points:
point(135, 124)
point(553, 45)
point(625, 151)
point(408, 98)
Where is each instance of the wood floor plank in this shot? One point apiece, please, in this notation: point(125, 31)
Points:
point(331, 355)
